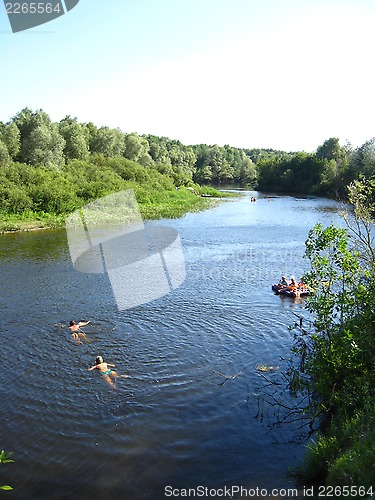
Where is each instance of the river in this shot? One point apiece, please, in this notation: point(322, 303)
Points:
point(176, 422)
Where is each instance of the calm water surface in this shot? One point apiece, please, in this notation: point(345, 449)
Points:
point(173, 422)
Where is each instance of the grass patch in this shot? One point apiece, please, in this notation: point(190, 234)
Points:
point(29, 221)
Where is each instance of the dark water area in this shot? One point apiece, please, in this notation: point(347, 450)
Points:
point(173, 422)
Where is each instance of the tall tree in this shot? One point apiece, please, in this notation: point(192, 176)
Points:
point(45, 146)
point(5, 158)
point(41, 142)
point(331, 150)
point(109, 142)
point(159, 150)
point(76, 143)
point(364, 158)
point(137, 149)
point(11, 137)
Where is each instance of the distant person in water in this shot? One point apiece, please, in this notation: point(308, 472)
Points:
point(75, 328)
point(106, 371)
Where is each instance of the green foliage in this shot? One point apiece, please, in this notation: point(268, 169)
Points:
point(41, 142)
point(31, 138)
point(49, 194)
point(299, 172)
point(337, 360)
point(339, 356)
point(13, 199)
point(5, 159)
point(361, 194)
point(10, 138)
point(344, 456)
point(137, 149)
point(5, 458)
point(108, 142)
point(364, 158)
point(76, 139)
point(331, 150)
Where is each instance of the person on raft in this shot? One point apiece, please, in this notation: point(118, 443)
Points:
point(75, 328)
point(283, 282)
point(293, 284)
point(105, 370)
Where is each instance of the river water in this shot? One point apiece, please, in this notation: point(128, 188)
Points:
point(176, 422)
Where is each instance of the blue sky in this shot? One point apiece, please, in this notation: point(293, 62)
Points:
point(283, 74)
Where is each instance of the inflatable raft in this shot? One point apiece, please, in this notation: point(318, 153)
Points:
point(298, 292)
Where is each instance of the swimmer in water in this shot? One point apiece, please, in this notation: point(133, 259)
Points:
point(77, 334)
point(106, 371)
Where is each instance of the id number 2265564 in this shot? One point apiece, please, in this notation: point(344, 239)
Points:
point(33, 8)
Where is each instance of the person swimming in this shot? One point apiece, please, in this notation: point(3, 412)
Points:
point(77, 334)
point(106, 371)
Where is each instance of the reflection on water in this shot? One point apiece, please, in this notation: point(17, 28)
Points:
point(172, 422)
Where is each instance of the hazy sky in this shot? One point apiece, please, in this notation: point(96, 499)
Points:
point(283, 74)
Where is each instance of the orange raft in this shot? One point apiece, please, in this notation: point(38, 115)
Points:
point(285, 290)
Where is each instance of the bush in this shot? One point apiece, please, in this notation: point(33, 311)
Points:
point(13, 199)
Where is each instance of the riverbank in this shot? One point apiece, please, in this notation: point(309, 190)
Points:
point(166, 204)
point(42, 197)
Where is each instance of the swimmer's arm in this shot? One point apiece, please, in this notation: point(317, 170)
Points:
point(92, 368)
point(83, 323)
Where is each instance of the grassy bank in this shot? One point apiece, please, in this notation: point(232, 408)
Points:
point(171, 205)
point(343, 455)
point(153, 205)
point(40, 197)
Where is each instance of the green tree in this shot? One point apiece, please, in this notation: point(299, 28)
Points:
point(269, 174)
point(41, 142)
point(75, 136)
point(108, 142)
point(247, 172)
point(158, 150)
point(222, 171)
point(45, 146)
point(182, 157)
point(203, 175)
point(364, 159)
point(336, 359)
point(331, 150)
point(11, 137)
point(26, 119)
point(334, 167)
point(137, 149)
point(91, 131)
point(5, 158)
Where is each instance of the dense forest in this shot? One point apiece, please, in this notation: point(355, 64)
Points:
point(55, 167)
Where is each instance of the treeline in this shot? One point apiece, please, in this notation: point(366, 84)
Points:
point(328, 171)
point(31, 138)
